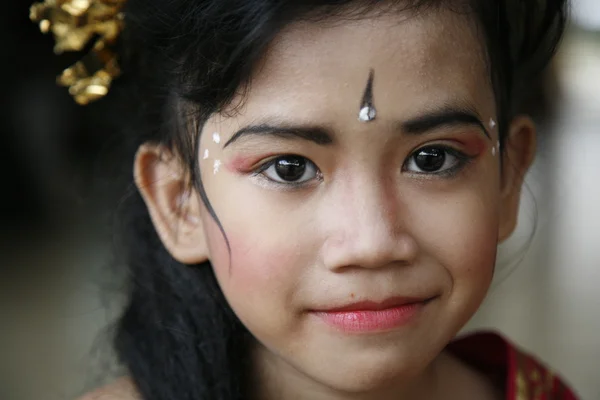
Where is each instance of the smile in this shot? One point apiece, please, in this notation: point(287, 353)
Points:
point(370, 317)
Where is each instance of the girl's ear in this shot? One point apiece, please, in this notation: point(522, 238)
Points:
point(517, 157)
point(173, 204)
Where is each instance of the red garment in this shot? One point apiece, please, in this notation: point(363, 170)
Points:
point(524, 377)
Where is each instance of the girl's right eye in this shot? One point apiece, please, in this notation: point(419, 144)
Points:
point(289, 169)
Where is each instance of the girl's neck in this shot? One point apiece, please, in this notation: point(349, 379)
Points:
point(446, 378)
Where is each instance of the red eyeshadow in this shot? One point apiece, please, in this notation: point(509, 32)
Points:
point(474, 145)
point(244, 163)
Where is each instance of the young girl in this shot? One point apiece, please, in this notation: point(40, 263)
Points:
point(322, 186)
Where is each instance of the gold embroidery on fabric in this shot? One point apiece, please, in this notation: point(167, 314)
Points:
point(531, 381)
point(521, 382)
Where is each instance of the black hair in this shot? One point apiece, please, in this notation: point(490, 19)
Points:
point(187, 59)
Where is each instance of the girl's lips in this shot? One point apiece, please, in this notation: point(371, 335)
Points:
point(368, 305)
point(368, 316)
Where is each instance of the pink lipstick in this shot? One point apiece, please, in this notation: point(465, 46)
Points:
point(365, 317)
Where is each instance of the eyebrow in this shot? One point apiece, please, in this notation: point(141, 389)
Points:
point(446, 116)
point(313, 134)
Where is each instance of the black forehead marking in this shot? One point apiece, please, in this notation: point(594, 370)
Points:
point(367, 100)
point(367, 112)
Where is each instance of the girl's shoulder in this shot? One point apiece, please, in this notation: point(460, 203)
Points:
point(524, 376)
point(122, 389)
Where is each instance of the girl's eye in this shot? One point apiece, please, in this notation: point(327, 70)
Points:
point(290, 169)
point(435, 160)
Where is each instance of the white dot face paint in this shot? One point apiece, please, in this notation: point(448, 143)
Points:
point(216, 137)
point(216, 166)
point(494, 151)
point(492, 123)
point(367, 114)
point(206, 154)
point(498, 144)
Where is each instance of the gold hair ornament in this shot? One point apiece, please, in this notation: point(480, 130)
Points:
point(74, 23)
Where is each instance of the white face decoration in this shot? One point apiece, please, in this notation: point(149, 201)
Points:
point(216, 166)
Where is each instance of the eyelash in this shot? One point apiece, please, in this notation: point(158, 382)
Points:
point(258, 173)
point(462, 158)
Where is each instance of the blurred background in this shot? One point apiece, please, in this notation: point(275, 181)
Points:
point(57, 203)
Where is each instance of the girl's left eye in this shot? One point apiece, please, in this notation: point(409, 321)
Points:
point(435, 160)
point(290, 170)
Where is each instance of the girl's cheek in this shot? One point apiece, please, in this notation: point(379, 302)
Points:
point(471, 250)
point(253, 267)
point(259, 282)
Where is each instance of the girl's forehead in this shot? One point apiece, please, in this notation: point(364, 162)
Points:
point(319, 71)
point(393, 41)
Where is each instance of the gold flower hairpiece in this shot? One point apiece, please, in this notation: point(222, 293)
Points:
point(74, 23)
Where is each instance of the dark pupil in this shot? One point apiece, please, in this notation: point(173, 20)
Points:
point(290, 168)
point(430, 159)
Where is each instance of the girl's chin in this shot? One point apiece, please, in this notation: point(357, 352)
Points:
point(362, 373)
point(374, 378)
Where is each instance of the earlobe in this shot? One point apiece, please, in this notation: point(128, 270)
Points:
point(172, 202)
point(517, 157)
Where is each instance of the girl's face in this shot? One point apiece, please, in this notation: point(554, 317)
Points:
point(357, 249)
